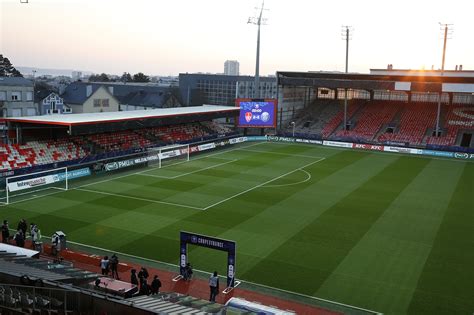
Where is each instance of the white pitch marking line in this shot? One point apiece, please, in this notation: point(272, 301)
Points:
point(308, 177)
point(138, 198)
point(147, 170)
point(262, 184)
point(130, 174)
point(33, 197)
point(280, 153)
point(188, 173)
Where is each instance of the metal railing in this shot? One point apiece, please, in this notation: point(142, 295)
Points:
point(39, 298)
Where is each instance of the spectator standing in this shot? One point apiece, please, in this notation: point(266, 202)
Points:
point(214, 286)
point(188, 272)
point(155, 285)
point(113, 262)
point(104, 265)
point(143, 275)
point(34, 234)
point(133, 277)
point(144, 289)
point(22, 226)
point(54, 244)
point(19, 238)
point(5, 232)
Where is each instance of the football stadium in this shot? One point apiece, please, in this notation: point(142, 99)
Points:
point(349, 194)
point(202, 192)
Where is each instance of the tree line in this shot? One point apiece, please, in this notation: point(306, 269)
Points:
point(7, 69)
point(126, 77)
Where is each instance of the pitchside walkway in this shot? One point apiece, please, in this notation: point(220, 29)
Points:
point(198, 288)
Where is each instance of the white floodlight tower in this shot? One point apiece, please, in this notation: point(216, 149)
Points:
point(447, 29)
point(257, 21)
point(346, 35)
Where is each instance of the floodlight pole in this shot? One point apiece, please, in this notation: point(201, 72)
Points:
point(438, 114)
point(257, 62)
point(346, 36)
point(257, 21)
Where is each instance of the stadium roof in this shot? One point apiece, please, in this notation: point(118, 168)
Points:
point(375, 77)
point(415, 83)
point(113, 117)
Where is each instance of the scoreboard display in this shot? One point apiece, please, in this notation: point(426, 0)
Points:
point(257, 113)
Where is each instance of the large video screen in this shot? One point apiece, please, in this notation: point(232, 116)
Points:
point(257, 113)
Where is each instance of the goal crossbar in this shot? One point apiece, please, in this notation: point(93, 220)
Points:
point(172, 152)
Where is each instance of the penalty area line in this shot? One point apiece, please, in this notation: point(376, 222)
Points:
point(138, 198)
point(188, 173)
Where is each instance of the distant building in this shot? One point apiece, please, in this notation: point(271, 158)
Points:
point(231, 67)
point(76, 75)
point(117, 96)
point(50, 103)
point(87, 98)
point(213, 89)
point(16, 97)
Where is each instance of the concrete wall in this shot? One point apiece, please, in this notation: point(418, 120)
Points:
point(23, 106)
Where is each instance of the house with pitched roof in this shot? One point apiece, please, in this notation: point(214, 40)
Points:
point(123, 96)
point(49, 103)
point(89, 98)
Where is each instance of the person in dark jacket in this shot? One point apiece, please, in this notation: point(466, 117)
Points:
point(143, 275)
point(155, 285)
point(22, 226)
point(188, 272)
point(144, 288)
point(5, 232)
point(20, 238)
point(113, 263)
point(133, 277)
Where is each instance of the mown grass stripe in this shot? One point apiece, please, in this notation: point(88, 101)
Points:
point(383, 269)
point(224, 217)
point(319, 248)
point(446, 285)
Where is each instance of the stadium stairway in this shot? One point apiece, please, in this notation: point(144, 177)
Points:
point(369, 119)
point(164, 303)
point(318, 114)
point(394, 123)
point(414, 122)
point(353, 107)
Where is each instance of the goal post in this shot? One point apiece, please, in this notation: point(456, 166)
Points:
point(37, 183)
point(173, 154)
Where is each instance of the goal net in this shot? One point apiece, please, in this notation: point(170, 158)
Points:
point(27, 186)
point(172, 154)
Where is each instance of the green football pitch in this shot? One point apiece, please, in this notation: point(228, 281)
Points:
point(387, 232)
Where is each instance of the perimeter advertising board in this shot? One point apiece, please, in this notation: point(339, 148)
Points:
point(257, 113)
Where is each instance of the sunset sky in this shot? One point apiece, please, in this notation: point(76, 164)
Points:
point(168, 37)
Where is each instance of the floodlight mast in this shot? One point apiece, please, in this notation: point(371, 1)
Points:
point(346, 35)
point(447, 31)
point(257, 21)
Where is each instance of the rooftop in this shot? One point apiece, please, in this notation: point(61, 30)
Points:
point(15, 81)
point(107, 117)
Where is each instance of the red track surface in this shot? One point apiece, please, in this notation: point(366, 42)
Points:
point(197, 287)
